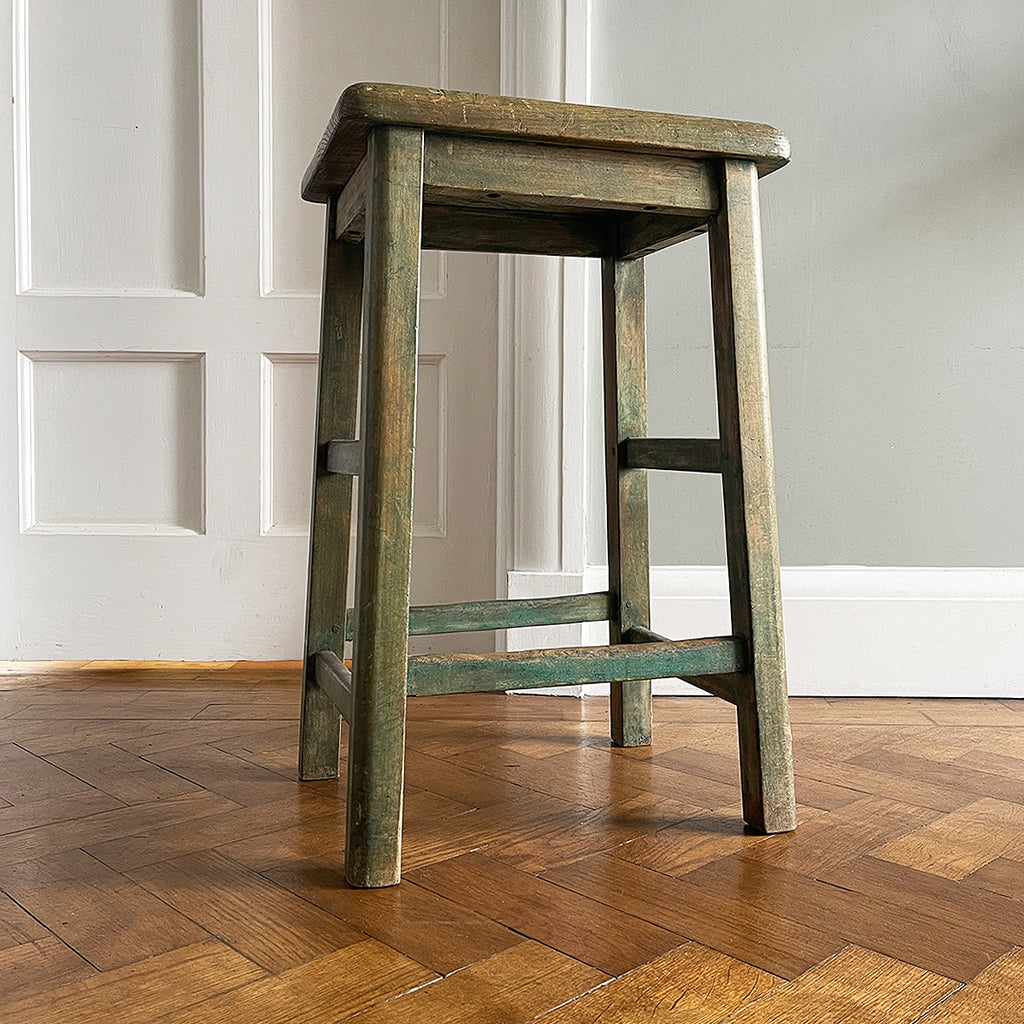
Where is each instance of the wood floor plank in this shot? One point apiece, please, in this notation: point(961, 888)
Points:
point(996, 996)
point(762, 939)
point(969, 711)
point(530, 814)
point(270, 925)
point(439, 933)
point(321, 991)
point(286, 710)
point(52, 735)
point(510, 987)
point(963, 841)
point(313, 838)
point(27, 777)
point(849, 831)
point(692, 984)
point(857, 985)
point(141, 992)
point(921, 769)
point(605, 828)
point(861, 710)
point(704, 709)
point(500, 790)
point(958, 904)
point(1005, 740)
point(868, 781)
point(646, 777)
point(994, 762)
point(826, 796)
point(1003, 876)
point(953, 950)
point(35, 843)
point(157, 739)
point(687, 845)
point(82, 707)
point(589, 931)
point(122, 775)
point(77, 898)
point(577, 777)
point(841, 740)
point(17, 926)
point(32, 814)
point(273, 750)
point(237, 780)
point(724, 768)
point(37, 967)
point(457, 782)
point(941, 744)
point(314, 802)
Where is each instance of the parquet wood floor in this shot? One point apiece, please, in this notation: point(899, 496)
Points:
point(159, 862)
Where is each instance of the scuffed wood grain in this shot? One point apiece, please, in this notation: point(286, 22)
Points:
point(365, 104)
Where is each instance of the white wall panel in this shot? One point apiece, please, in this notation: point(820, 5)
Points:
point(430, 484)
point(288, 415)
point(288, 392)
point(108, 147)
point(362, 43)
point(111, 442)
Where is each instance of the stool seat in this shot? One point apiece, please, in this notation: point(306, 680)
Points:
point(402, 169)
point(569, 124)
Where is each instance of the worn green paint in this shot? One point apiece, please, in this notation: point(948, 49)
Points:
point(741, 354)
point(553, 199)
point(319, 723)
point(625, 415)
point(730, 686)
point(376, 757)
point(335, 679)
point(470, 616)
point(480, 673)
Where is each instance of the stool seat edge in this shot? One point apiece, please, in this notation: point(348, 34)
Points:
point(365, 104)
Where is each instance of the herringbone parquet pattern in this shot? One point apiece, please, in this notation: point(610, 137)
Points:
point(159, 862)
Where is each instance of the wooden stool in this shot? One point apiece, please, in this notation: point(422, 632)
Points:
point(404, 168)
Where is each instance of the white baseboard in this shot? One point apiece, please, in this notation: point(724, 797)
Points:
point(851, 631)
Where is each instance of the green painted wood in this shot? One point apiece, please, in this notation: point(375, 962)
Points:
point(319, 723)
point(625, 415)
point(566, 124)
point(481, 673)
point(513, 174)
point(334, 678)
point(733, 687)
point(377, 737)
point(470, 616)
point(741, 359)
point(680, 454)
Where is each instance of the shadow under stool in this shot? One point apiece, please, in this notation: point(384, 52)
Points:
point(403, 169)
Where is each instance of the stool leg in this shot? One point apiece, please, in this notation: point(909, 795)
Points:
point(625, 415)
point(320, 723)
point(748, 482)
point(377, 735)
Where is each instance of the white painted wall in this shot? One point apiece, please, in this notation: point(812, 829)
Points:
point(159, 300)
point(159, 321)
point(894, 256)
